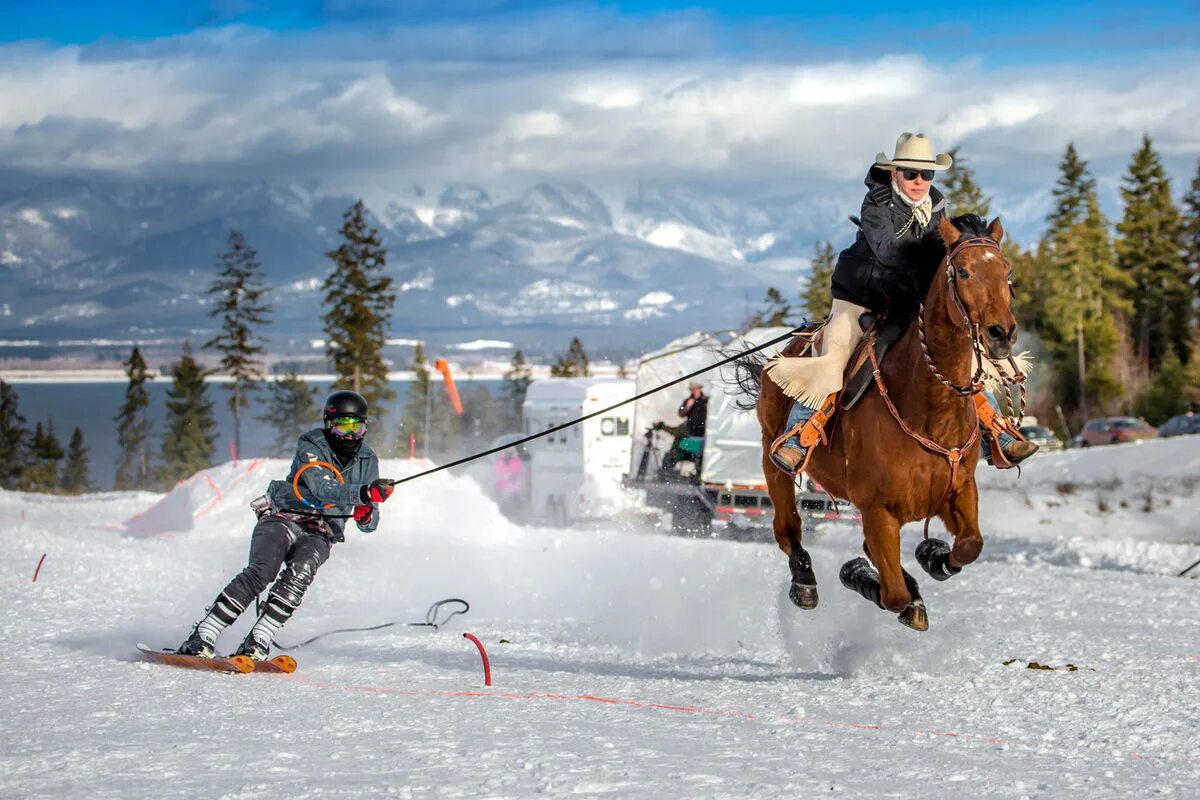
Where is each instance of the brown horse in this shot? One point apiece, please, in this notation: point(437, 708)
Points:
point(906, 451)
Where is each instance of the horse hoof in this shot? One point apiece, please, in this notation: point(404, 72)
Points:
point(934, 557)
point(803, 595)
point(915, 616)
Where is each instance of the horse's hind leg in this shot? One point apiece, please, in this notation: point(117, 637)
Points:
point(788, 530)
point(882, 532)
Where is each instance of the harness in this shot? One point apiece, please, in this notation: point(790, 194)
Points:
point(954, 455)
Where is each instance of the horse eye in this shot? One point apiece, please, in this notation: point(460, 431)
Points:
point(962, 273)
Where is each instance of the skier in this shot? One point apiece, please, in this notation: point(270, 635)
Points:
point(298, 534)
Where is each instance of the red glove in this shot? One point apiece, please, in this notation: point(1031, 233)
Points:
point(362, 514)
point(377, 491)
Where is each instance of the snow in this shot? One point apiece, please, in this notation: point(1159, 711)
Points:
point(633, 663)
point(483, 344)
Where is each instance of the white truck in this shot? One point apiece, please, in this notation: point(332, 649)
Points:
point(728, 490)
point(576, 473)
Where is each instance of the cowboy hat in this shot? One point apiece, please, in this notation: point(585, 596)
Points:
point(914, 151)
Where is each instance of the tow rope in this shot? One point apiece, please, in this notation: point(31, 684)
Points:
point(431, 621)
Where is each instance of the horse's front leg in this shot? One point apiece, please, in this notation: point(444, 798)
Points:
point(961, 517)
point(788, 530)
point(887, 587)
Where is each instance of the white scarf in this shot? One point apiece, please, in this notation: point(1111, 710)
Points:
point(922, 209)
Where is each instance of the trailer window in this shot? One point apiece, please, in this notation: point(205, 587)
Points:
point(614, 426)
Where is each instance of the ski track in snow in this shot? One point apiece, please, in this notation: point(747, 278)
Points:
point(636, 665)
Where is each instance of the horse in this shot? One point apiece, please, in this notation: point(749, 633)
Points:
point(908, 450)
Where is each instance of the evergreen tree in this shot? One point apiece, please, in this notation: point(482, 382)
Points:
point(191, 430)
point(1165, 396)
point(358, 301)
point(1082, 291)
point(133, 428)
point(818, 297)
point(1151, 252)
point(573, 363)
point(13, 436)
point(237, 296)
point(1191, 229)
point(75, 470)
point(482, 419)
point(516, 384)
point(775, 312)
point(293, 408)
point(963, 195)
point(44, 454)
point(417, 406)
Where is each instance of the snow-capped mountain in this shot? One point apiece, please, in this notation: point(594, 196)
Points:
point(102, 259)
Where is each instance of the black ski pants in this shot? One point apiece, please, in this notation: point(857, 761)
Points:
point(275, 542)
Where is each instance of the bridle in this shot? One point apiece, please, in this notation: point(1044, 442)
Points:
point(976, 384)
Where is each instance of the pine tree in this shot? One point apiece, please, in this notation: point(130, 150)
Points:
point(75, 470)
point(44, 454)
point(133, 428)
point(358, 302)
point(1165, 396)
point(516, 385)
point(13, 435)
point(573, 363)
point(817, 296)
point(1151, 252)
point(417, 407)
point(237, 296)
point(963, 195)
point(191, 430)
point(775, 312)
point(1191, 229)
point(293, 408)
point(1082, 293)
point(482, 419)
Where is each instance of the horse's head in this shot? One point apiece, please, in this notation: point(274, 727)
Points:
point(977, 279)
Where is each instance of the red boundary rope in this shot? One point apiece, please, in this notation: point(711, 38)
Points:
point(487, 667)
point(38, 570)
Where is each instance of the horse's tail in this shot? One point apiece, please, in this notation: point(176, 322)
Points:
point(748, 374)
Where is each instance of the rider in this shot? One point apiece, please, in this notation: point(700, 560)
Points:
point(900, 208)
point(300, 533)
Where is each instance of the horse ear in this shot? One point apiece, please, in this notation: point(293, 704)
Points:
point(996, 230)
point(950, 234)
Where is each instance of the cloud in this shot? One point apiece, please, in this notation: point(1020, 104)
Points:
point(557, 95)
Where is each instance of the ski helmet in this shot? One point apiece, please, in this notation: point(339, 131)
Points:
point(345, 415)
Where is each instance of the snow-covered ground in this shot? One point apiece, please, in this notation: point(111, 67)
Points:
point(626, 663)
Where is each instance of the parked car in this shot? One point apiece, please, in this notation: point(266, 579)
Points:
point(1180, 425)
point(1042, 436)
point(1114, 430)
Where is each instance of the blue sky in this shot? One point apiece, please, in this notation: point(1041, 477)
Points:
point(778, 98)
point(1000, 32)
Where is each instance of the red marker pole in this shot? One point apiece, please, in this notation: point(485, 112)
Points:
point(41, 560)
point(233, 451)
point(487, 667)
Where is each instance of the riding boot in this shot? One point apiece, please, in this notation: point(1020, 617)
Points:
point(995, 430)
point(805, 428)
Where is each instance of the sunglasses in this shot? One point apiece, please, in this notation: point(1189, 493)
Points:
point(348, 427)
point(911, 174)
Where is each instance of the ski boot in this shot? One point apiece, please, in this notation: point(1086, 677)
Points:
point(196, 646)
point(253, 648)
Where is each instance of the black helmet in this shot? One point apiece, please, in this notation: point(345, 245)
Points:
point(342, 410)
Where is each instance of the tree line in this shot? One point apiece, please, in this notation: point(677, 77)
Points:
point(1112, 310)
point(357, 307)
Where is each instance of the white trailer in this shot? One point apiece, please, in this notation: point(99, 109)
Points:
point(576, 473)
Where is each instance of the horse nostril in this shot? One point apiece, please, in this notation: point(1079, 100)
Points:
point(997, 333)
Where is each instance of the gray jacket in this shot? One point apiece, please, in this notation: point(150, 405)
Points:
point(320, 487)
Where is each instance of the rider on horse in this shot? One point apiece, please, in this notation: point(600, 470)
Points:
point(871, 277)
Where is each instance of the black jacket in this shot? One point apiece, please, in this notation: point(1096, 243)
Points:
point(874, 272)
point(697, 415)
point(320, 487)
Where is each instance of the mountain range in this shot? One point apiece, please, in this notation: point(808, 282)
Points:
point(99, 260)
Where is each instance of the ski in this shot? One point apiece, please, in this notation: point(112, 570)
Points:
point(279, 664)
point(235, 664)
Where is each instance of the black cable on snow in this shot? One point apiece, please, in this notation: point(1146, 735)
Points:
point(431, 621)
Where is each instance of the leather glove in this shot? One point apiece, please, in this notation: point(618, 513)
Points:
point(363, 514)
point(377, 491)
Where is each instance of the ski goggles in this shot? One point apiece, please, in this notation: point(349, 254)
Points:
point(347, 427)
point(913, 174)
